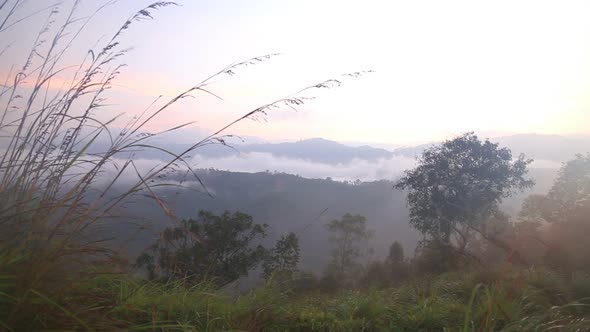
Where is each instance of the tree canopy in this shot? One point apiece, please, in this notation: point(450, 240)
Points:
point(460, 184)
point(283, 258)
point(220, 248)
point(348, 233)
point(568, 198)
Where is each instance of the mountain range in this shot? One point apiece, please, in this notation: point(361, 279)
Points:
point(318, 150)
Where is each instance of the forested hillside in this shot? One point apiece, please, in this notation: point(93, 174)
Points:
point(290, 203)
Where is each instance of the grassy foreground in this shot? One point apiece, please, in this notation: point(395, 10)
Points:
point(531, 300)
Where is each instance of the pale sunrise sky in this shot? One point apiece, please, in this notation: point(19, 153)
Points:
point(441, 67)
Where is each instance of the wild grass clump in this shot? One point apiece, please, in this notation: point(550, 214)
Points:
point(56, 180)
point(50, 203)
point(121, 302)
point(534, 299)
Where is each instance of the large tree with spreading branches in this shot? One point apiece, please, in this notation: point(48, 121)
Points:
point(459, 185)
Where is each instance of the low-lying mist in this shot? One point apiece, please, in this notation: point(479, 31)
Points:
point(363, 170)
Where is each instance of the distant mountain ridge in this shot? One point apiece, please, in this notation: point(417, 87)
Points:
point(537, 146)
point(318, 150)
point(315, 150)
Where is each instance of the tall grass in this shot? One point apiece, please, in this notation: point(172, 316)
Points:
point(517, 301)
point(53, 191)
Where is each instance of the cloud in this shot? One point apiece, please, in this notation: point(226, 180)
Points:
point(252, 162)
point(363, 170)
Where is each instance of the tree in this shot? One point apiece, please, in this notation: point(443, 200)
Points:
point(566, 208)
point(396, 253)
point(459, 185)
point(283, 258)
point(568, 198)
point(389, 272)
point(397, 262)
point(213, 247)
point(348, 234)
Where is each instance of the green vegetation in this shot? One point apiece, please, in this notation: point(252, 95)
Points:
point(219, 249)
point(281, 261)
point(424, 293)
point(212, 248)
point(525, 300)
point(475, 270)
point(348, 236)
point(458, 186)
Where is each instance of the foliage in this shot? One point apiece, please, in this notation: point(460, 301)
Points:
point(53, 198)
point(434, 257)
point(62, 158)
point(502, 300)
point(568, 198)
point(281, 261)
point(304, 282)
point(348, 235)
point(565, 208)
point(459, 185)
point(390, 272)
point(396, 253)
point(397, 262)
point(213, 247)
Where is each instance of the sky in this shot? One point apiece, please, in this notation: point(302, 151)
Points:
point(440, 67)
